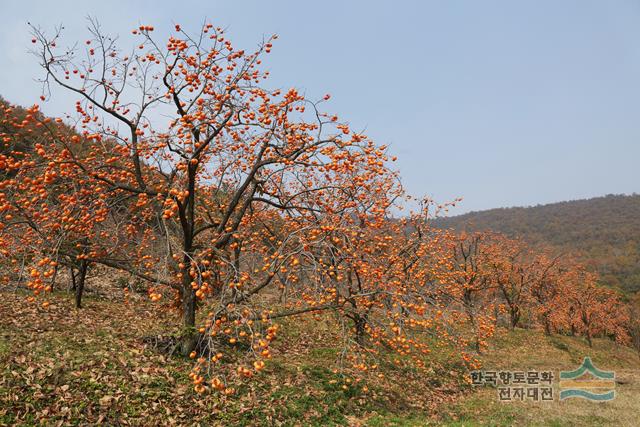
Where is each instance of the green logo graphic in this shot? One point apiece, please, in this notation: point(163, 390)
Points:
point(587, 382)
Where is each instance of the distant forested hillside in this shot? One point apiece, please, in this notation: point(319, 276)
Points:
point(604, 231)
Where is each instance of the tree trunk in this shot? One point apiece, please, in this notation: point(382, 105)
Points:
point(515, 317)
point(80, 285)
point(476, 332)
point(73, 278)
point(468, 305)
point(547, 327)
point(360, 325)
point(53, 279)
point(189, 338)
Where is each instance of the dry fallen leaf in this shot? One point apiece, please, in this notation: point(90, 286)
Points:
point(105, 400)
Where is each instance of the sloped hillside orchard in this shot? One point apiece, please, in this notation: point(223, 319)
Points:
point(237, 205)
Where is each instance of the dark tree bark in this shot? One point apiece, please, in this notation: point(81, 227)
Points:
point(53, 279)
point(467, 298)
point(514, 313)
point(360, 323)
point(82, 274)
point(72, 272)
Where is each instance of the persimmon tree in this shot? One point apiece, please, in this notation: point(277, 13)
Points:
point(394, 281)
point(249, 203)
point(54, 213)
point(31, 215)
point(469, 281)
point(548, 292)
point(521, 275)
point(596, 310)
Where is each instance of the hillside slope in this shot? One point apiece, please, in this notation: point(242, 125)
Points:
point(93, 366)
point(603, 231)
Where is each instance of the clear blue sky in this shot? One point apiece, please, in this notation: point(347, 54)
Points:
point(500, 102)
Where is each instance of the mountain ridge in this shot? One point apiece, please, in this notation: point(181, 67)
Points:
point(602, 231)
